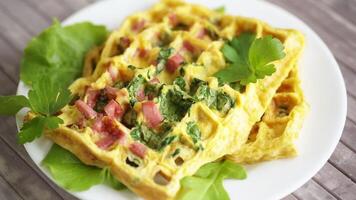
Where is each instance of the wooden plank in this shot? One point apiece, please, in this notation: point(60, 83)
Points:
point(336, 182)
point(12, 32)
point(6, 192)
point(10, 60)
point(50, 8)
point(337, 38)
point(289, 197)
point(351, 107)
point(349, 77)
point(75, 5)
point(22, 178)
point(22, 12)
point(344, 159)
point(349, 135)
point(345, 8)
point(313, 191)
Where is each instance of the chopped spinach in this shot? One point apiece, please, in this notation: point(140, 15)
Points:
point(176, 152)
point(206, 94)
point(194, 132)
point(156, 141)
point(174, 104)
point(224, 102)
point(167, 141)
point(180, 82)
point(129, 119)
point(134, 86)
point(162, 58)
point(152, 89)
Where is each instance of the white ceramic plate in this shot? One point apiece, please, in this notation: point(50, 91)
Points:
point(321, 80)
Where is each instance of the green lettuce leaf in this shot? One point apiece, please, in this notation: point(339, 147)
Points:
point(35, 127)
point(69, 172)
point(59, 52)
point(10, 105)
point(207, 183)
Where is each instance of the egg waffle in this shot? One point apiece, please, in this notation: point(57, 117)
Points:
point(131, 55)
point(274, 135)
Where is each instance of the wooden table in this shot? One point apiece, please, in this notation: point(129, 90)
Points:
point(20, 20)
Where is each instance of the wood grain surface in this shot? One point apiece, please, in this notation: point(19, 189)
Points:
point(20, 20)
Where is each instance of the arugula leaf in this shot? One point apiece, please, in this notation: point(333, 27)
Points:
point(180, 82)
point(207, 183)
point(59, 52)
point(10, 105)
point(35, 127)
point(249, 58)
point(47, 96)
point(72, 174)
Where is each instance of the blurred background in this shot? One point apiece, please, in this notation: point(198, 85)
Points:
point(333, 20)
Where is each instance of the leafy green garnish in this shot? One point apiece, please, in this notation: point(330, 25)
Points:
point(207, 183)
point(162, 58)
point(59, 52)
point(73, 175)
point(176, 152)
point(167, 141)
point(249, 58)
point(44, 99)
point(35, 127)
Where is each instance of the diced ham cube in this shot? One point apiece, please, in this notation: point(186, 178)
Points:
point(155, 80)
point(140, 94)
point(173, 19)
point(124, 42)
point(138, 25)
point(201, 33)
point(114, 72)
point(92, 96)
point(86, 110)
point(138, 149)
point(106, 142)
point(98, 125)
point(174, 62)
point(142, 53)
point(114, 110)
point(112, 128)
point(152, 114)
point(188, 46)
point(111, 92)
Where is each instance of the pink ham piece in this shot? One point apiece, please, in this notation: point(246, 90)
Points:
point(174, 62)
point(98, 125)
point(114, 110)
point(188, 46)
point(125, 42)
point(138, 25)
point(140, 94)
point(201, 33)
point(173, 19)
point(155, 80)
point(92, 96)
point(106, 142)
point(86, 110)
point(151, 114)
point(113, 72)
point(138, 149)
point(111, 92)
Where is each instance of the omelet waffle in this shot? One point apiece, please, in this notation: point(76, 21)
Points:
point(274, 135)
point(151, 153)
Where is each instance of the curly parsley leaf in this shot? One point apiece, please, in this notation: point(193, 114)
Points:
point(207, 183)
point(74, 175)
point(249, 59)
point(10, 105)
point(59, 51)
point(35, 127)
